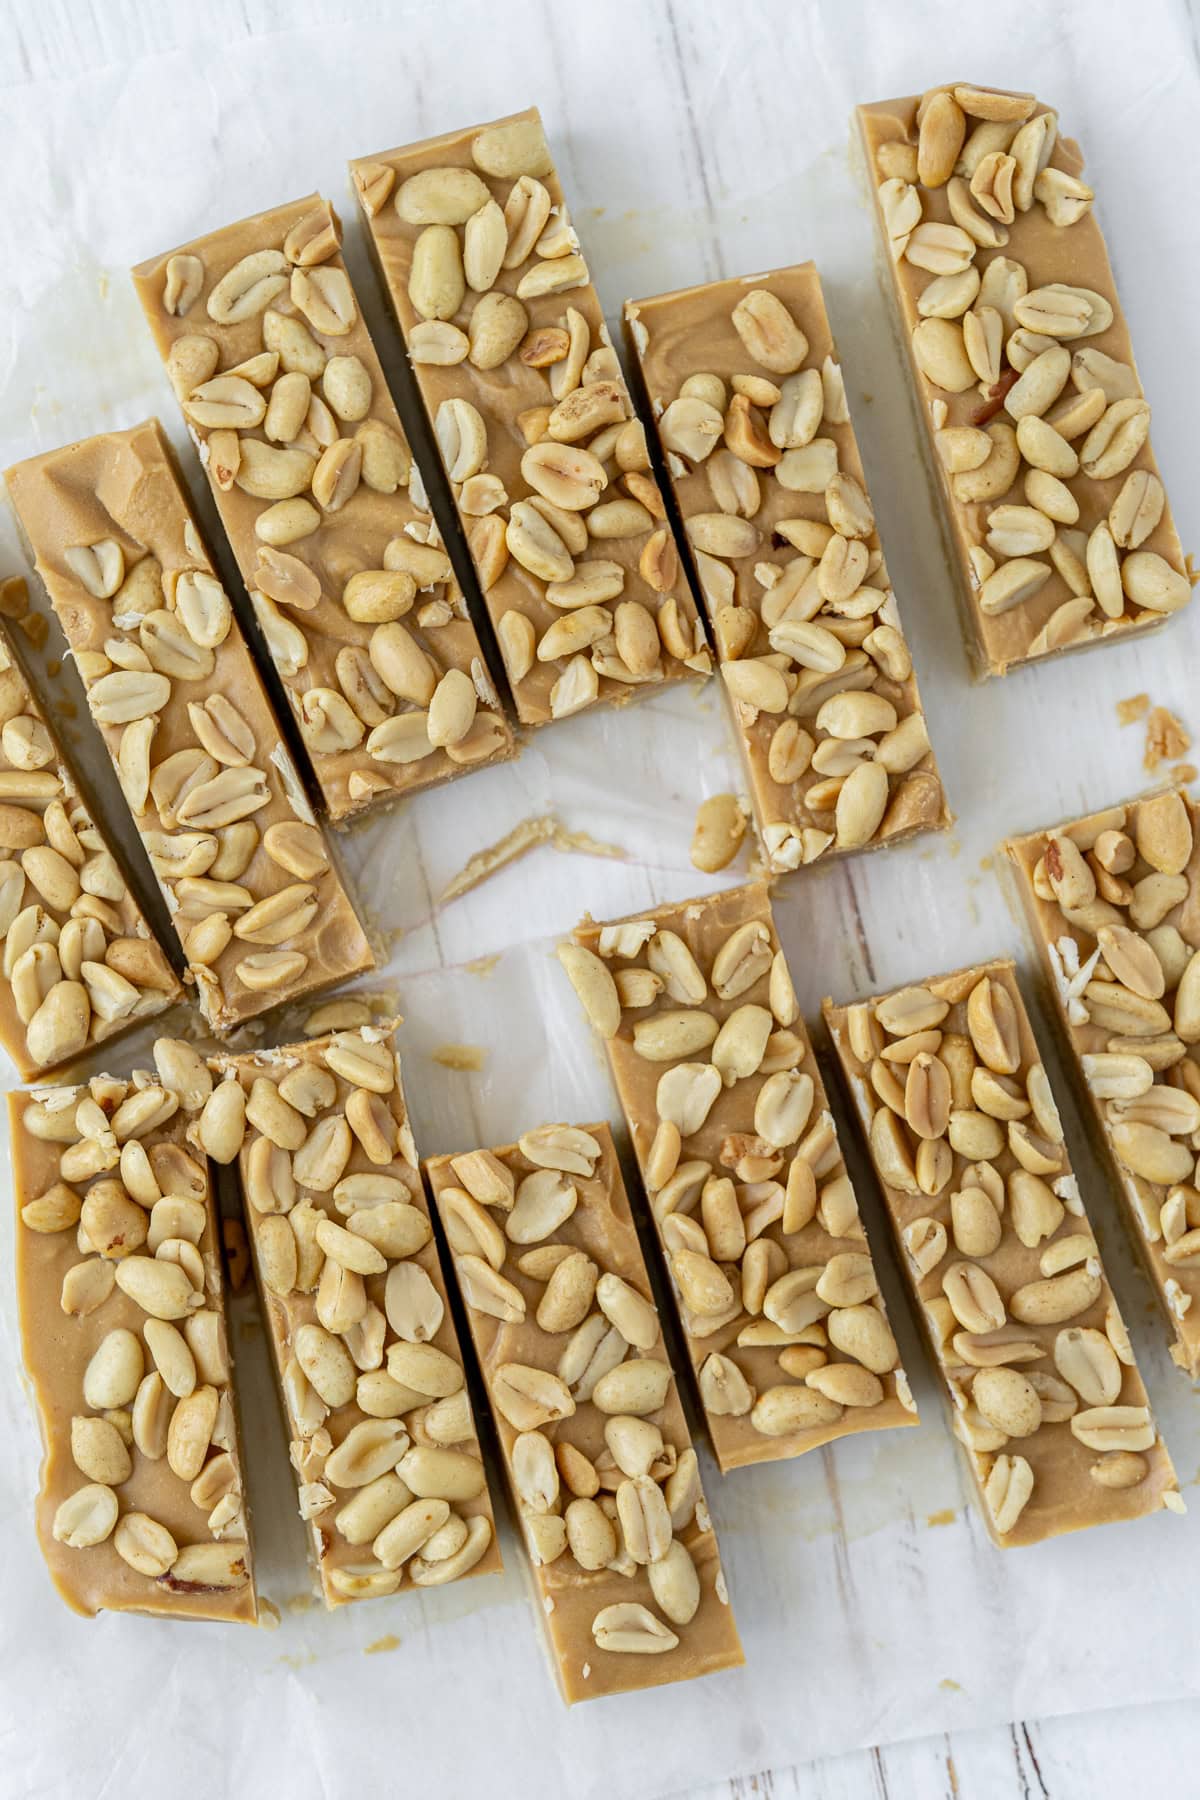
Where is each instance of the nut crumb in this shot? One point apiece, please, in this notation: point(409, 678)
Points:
point(1183, 774)
point(14, 597)
point(388, 1642)
point(483, 966)
point(1136, 707)
point(467, 1058)
point(1167, 739)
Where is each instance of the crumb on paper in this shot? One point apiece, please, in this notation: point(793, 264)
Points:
point(1183, 774)
point(483, 966)
point(268, 1614)
point(303, 1660)
point(987, 862)
point(1167, 739)
point(14, 597)
point(388, 1642)
point(467, 1058)
point(1136, 707)
point(945, 1517)
point(519, 842)
point(300, 1603)
point(582, 843)
point(951, 1686)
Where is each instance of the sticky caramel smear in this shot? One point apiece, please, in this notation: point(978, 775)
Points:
point(468, 1058)
point(483, 966)
point(519, 842)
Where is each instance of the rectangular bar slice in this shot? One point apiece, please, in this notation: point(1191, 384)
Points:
point(121, 1300)
point(1113, 902)
point(754, 1210)
point(600, 1464)
point(80, 963)
point(391, 1482)
point(537, 433)
point(1032, 413)
point(257, 903)
point(744, 382)
point(325, 512)
point(965, 1137)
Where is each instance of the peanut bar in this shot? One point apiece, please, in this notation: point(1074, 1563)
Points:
point(966, 1140)
point(755, 1213)
point(126, 1345)
point(600, 1465)
point(258, 906)
point(1032, 411)
point(391, 1483)
point(1113, 902)
point(746, 389)
point(547, 462)
point(80, 963)
point(324, 509)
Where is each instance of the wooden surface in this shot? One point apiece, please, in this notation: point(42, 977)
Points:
point(694, 139)
point(1085, 1757)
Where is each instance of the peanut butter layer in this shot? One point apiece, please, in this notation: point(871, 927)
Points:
point(1113, 902)
point(600, 1464)
point(755, 1213)
point(746, 388)
point(80, 964)
point(545, 458)
point(964, 1133)
point(257, 903)
point(324, 509)
point(123, 1329)
point(391, 1483)
point(1032, 411)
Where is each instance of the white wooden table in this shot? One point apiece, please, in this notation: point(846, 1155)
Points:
point(696, 138)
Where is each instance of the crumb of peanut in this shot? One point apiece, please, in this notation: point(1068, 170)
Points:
point(1167, 739)
point(466, 1058)
point(1136, 707)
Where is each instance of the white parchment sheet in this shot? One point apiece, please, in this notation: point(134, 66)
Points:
point(694, 139)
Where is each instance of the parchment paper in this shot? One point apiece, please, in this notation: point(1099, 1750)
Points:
point(695, 140)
